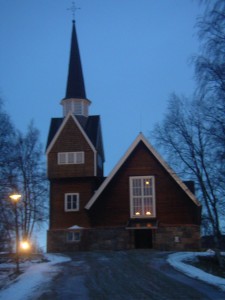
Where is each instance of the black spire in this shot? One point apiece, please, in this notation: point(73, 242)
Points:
point(75, 82)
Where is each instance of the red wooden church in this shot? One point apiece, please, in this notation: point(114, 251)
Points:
point(141, 204)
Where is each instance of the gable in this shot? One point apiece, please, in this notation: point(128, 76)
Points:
point(141, 163)
point(71, 137)
point(91, 126)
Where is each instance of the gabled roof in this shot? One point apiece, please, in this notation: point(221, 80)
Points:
point(140, 138)
point(54, 127)
point(56, 131)
point(75, 82)
point(90, 125)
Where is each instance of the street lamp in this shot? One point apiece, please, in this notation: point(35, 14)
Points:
point(25, 246)
point(15, 198)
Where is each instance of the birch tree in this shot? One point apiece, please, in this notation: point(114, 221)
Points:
point(31, 181)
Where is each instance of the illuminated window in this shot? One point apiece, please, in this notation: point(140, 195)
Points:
point(73, 236)
point(72, 202)
point(65, 158)
point(142, 197)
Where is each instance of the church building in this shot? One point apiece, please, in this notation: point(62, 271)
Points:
point(141, 204)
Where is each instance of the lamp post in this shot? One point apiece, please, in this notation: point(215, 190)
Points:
point(15, 198)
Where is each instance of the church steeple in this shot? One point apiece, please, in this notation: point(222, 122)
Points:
point(75, 100)
point(75, 82)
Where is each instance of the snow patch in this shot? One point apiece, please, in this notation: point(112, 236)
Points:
point(27, 283)
point(177, 261)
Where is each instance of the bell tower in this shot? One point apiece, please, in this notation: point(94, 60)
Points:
point(75, 156)
point(75, 101)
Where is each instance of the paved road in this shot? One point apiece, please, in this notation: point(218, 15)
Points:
point(125, 275)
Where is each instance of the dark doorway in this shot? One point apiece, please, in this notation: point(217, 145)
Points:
point(143, 238)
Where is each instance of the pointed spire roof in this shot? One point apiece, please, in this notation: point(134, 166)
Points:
point(75, 82)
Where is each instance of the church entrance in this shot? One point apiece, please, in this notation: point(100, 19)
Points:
point(143, 238)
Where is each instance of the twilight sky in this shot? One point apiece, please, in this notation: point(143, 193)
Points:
point(134, 54)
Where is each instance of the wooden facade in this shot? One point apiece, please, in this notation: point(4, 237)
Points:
point(61, 219)
point(71, 139)
point(173, 206)
point(90, 212)
point(104, 220)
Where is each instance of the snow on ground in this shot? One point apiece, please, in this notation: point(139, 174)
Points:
point(177, 260)
point(39, 273)
point(35, 275)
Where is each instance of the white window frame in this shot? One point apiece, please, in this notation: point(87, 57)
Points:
point(68, 158)
point(73, 236)
point(144, 196)
point(67, 199)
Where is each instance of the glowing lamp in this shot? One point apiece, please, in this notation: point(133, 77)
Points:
point(15, 197)
point(148, 213)
point(137, 213)
point(25, 245)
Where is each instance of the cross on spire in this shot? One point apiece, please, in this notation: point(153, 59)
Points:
point(73, 9)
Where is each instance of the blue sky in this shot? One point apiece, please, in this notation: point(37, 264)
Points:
point(134, 53)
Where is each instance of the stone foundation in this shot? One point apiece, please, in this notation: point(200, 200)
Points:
point(177, 238)
point(165, 238)
point(90, 239)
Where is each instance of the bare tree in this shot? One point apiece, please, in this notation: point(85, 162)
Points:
point(31, 181)
point(192, 133)
point(7, 155)
point(210, 69)
point(21, 169)
point(186, 139)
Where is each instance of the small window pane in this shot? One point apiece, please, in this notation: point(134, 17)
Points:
point(80, 157)
point(71, 159)
point(137, 207)
point(62, 158)
point(148, 206)
point(137, 187)
point(72, 202)
point(70, 236)
point(73, 236)
point(76, 236)
point(69, 202)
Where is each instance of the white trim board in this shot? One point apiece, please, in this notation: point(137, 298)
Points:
point(83, 133)
point(139, 138)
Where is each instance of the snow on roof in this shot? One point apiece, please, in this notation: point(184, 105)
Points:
point(75, 227)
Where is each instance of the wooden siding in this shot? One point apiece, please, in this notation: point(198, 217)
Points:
point(173, 206)
point(70, 140)
point(59, 218)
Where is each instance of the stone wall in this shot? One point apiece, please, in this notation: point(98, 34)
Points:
point(168, 238)
point(177, 238)
point(90, 240)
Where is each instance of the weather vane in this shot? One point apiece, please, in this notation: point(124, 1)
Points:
point(73, 9)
